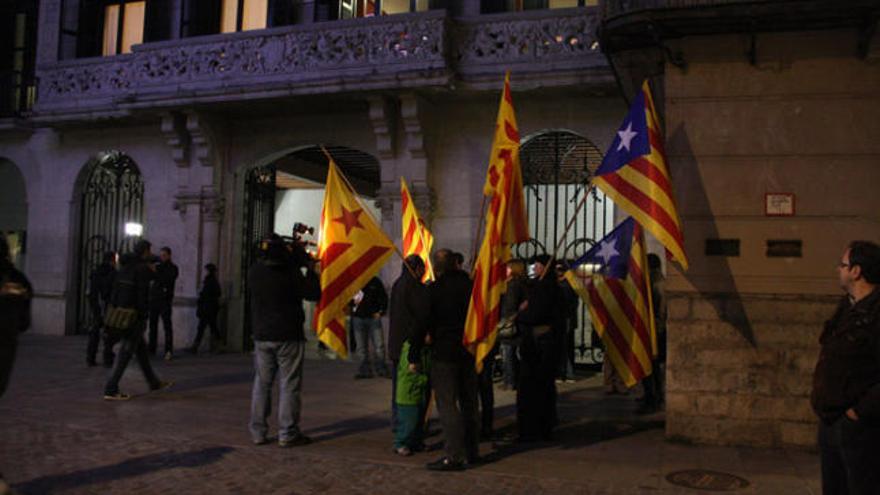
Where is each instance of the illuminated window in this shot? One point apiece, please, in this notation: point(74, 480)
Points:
point(243, 15)
point(368, 8)
point(490, 6)
point(123, 27)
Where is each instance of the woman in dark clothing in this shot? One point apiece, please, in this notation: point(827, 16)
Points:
point(539, 321)
point(207, 308)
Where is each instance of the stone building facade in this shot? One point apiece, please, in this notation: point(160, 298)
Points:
point(771, 101)
point(183, 120)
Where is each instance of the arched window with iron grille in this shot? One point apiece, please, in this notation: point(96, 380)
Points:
point(557, 166)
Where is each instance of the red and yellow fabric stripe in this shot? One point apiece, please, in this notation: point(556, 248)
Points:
point(417, 239)
point(506, 223)
point(644, 190)
point(352, 249)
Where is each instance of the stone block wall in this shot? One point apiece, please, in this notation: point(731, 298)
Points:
point(733, 381)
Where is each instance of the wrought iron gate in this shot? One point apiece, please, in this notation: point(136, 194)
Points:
point(112, 195)
point(259, 223)
point(557, 166)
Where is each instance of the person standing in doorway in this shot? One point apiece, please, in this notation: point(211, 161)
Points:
point(100, 286)
point(278, 288)
point(131, 288)
point(368, 307)
point(846, 381)
point(207, 308)
point(161, 300)
point(653, 384)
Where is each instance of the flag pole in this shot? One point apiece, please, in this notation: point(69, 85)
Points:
point(367, 211)
point(477, 237)
point(568, 226)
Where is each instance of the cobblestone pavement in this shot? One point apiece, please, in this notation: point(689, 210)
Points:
point(58, 436)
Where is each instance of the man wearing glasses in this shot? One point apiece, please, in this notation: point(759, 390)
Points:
point(846, 382)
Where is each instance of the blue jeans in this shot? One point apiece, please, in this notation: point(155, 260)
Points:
point(509, 363)
point(368, 330)
point(269, 359)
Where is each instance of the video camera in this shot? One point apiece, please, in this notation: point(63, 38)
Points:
point(297, 247)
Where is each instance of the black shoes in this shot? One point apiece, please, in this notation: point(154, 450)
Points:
point(118, 396)
point(161, 386)
point(446, 464)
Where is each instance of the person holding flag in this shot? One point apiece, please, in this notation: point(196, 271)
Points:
point(612, 279)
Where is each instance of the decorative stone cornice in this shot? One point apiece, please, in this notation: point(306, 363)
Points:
point(210, 203)
point(202, 138)
point(174, 129)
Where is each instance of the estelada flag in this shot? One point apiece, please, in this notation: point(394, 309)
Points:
point(612, 279)
point(635, 176)
point(352, 249)
point(417, 239)
point(506, 224)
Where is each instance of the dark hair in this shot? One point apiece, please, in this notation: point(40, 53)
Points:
point(166, 249)
point(653, 261)
point(443, 260)
point(866, 255)
point(543, 259)
point(109, 256)
point(141, 247)
point(415, 263)
point(458, 257)
point(211, 268)
point(276, 250)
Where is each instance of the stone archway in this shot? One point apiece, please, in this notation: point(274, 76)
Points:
point(13, 210)
point(109, 195)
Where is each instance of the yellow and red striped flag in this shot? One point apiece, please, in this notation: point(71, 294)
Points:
point(619, 299)
point(417, 239)
point(506, 224)
point(352, 249)
point(635, 176)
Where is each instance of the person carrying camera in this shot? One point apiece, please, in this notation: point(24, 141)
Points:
point(277, 288)
point(131, 288)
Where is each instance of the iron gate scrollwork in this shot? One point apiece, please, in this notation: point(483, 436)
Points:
point(111, 196)
point(557, 166)
point(259, 223)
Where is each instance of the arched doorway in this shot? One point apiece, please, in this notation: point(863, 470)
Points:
point(557, 166)
point(110, 196)
point(287, 188)
point(13, 211)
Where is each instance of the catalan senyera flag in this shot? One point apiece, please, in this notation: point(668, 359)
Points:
point(613, 281)
point(417, 239)
point(352, 249)
point(506, 224)
point(635, 176)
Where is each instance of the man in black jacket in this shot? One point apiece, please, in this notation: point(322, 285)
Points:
point(277, 288)
point(368, 306)
point(453, 373)
point(207, 308)
point(131, 288)
point(410, 309)
point(161, 299)
point(15, 307)
point(846, 382)
point(100, 286)
point(541, 320)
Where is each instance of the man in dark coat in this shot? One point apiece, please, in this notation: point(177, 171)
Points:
point(846, 382)
point(409, 310)
point(368, 306)
point(207, 308)
point(131, 288)
point(100, 286)
point(15, 307)
point(161, 300)
point(453, 373)
point(277, 290)
point(540, 320)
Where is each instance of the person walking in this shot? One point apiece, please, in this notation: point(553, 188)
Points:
point(131, 288)
point(207, 307)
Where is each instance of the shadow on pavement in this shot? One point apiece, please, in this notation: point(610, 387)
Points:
point(126, 469)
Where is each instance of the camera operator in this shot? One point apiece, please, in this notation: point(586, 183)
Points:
point(277, 288)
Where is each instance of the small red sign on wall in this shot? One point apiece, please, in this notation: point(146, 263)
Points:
point(779, 204)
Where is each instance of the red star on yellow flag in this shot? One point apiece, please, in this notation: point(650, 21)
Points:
point(349, 219)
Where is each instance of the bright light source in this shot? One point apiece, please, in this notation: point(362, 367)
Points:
point(134, 229)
